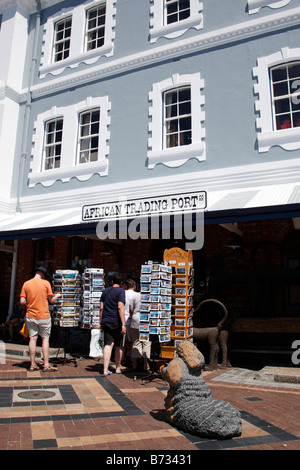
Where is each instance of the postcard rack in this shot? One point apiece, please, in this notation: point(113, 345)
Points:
point(181, 263)
point(92, 287)
point(66, 310)
point(156, 290)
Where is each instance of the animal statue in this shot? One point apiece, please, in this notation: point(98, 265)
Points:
point(189, 403)
point(213, 336)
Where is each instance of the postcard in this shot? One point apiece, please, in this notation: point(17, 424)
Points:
point(180, 291)
point(146, 269)
point(144, 336)
point(144, 317)
point(145, 287)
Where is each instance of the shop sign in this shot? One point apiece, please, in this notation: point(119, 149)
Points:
point(129, 208)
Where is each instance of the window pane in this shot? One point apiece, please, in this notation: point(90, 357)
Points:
point(185, 94)
point(185, 108)
point(282, 106)
point(185, 124)
point(283, 121)
point(95, 128)
point(279, 74)
point(185, 138)
point(280, 89)
point(294, 71)
point(296, 119)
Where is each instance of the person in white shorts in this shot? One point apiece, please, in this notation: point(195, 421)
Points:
point(36, 295)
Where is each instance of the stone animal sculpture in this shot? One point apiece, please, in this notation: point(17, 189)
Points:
point(212, 336)
point(189, 404)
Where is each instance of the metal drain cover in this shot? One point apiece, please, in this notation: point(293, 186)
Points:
point(36, 394)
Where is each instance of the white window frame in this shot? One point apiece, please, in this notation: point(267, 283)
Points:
point(69, 166)
point(53, 144)
point(159, 29)
point(78, 52)
point(176, 156)
point(56, 41)
point(267, 136)
point(88, 137)
point(255, 5)
point(292, 96)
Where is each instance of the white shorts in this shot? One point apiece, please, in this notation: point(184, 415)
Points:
point(40, 327)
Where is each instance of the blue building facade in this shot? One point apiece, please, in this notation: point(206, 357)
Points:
point(105, 101)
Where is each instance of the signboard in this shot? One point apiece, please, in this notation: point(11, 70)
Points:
point(130, 208)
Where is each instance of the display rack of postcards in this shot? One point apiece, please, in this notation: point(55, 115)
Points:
point(92, 287)
point(156, 290)
point(181, 263)
point(66, 310)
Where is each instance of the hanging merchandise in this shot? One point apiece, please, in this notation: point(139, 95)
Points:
point(66, 310)
point(92, 287)
point(156, 290)
point(181, 264)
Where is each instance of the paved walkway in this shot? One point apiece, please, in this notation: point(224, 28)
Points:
point(76, 408)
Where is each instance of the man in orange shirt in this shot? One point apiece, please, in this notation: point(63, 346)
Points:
point(35, 294)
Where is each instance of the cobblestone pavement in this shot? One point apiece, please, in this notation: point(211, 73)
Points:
point(76, 408)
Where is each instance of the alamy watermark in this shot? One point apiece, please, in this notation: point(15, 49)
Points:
point(171, 217)
point(296, 354)
point(187, 226)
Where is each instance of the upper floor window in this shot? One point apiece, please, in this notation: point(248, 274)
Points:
point(172, 18)
point(89, 136)
point(64, 155)
point(285, 82)
point(62, 39)
point(177, 10)
point(53, 142)
point(278, 100)
point(176, 128)
point(95, 27)
point(178, 118)
point(78, 34)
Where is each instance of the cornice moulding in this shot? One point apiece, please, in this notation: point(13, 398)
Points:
point(233, 178)
point(231, 34)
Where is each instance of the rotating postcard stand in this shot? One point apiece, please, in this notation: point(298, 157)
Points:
point(181, 264)
point(155, 313)
point(66, 310)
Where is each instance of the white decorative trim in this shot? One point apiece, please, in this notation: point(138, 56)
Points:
point(69, 168)
point(255, 5)
point(77, 51)
point(159, 29)
point(232, 34)
point(211, 181)
point(288, 139)
point(176, 156)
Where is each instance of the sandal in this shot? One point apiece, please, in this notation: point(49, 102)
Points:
point(49, 369)
point(33, 368)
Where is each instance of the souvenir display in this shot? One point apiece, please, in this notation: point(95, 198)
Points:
point(181, 264)
point(66, 310)
point(156, 290)
point(92, 287)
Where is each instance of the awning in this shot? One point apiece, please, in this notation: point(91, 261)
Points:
point(236, 205)
point(43, 224)
point(257, 203)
